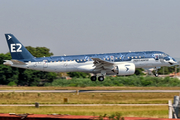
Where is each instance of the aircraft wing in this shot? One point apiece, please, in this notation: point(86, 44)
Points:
point(102, 64)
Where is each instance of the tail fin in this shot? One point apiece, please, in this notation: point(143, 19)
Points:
point(17, 50)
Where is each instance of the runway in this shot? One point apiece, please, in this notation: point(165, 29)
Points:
point(92, 91)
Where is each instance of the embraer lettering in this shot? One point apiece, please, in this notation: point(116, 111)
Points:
point(13, 47)
point(141, 60)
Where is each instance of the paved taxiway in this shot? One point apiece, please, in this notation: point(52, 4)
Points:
point(93, 91)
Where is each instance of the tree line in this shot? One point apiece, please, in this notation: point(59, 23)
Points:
point(133, 80)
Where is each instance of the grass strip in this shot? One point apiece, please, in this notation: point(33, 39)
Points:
point(126, 111)
point(86, 98)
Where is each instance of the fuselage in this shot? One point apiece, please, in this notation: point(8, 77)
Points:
point(84, 63)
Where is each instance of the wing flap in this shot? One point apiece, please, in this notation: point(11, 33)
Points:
point(97, 60)
point(101, 64)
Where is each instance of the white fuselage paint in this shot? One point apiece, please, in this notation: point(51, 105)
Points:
point(72, 66)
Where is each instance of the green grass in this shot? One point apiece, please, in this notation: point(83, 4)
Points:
point(90, 98)
point(86, 98)
point(131, 111)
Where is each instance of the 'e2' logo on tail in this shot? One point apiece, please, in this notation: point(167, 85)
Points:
point(13, 47)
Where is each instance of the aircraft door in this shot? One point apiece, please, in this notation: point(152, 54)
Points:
point(111, 58)
point(156, 57)
point(45, 63)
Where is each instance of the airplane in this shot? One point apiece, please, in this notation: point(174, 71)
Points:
point(99, 65)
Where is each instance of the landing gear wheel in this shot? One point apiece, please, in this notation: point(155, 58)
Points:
point(101, 78)
point(93, 78)
point(156, 75)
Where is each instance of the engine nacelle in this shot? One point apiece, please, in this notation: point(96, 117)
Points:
point(125, 69)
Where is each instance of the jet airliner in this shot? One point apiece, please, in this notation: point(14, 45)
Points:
point(100, 65)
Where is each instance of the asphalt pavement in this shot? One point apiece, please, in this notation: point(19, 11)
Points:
point(93, 91)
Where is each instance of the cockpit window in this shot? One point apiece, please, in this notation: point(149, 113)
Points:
point(161, 56)
point(165, 55)
point(167, 58)
point(174, 59)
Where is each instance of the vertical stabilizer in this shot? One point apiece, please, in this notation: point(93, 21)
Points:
point(17, 50)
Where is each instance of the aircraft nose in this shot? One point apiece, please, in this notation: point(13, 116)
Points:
point(173, 61)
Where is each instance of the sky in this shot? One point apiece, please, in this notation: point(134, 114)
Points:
point(74, 27)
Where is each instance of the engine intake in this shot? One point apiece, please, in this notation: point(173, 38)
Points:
point(125, 69)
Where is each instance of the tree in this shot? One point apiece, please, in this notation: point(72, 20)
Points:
point(3, 57)
point(167, 70)
point(139, 71)
point(78, 74)
point(39, 51)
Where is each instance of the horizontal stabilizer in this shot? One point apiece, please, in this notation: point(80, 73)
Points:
point(13, 62)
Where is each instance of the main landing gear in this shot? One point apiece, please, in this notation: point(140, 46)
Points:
point(100, 78)
point(93, 78)
point(156, 72)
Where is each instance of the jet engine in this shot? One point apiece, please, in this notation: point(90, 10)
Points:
point(124, 69)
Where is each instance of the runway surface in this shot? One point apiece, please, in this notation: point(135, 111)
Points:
point(84, 105)
point(93, 91)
